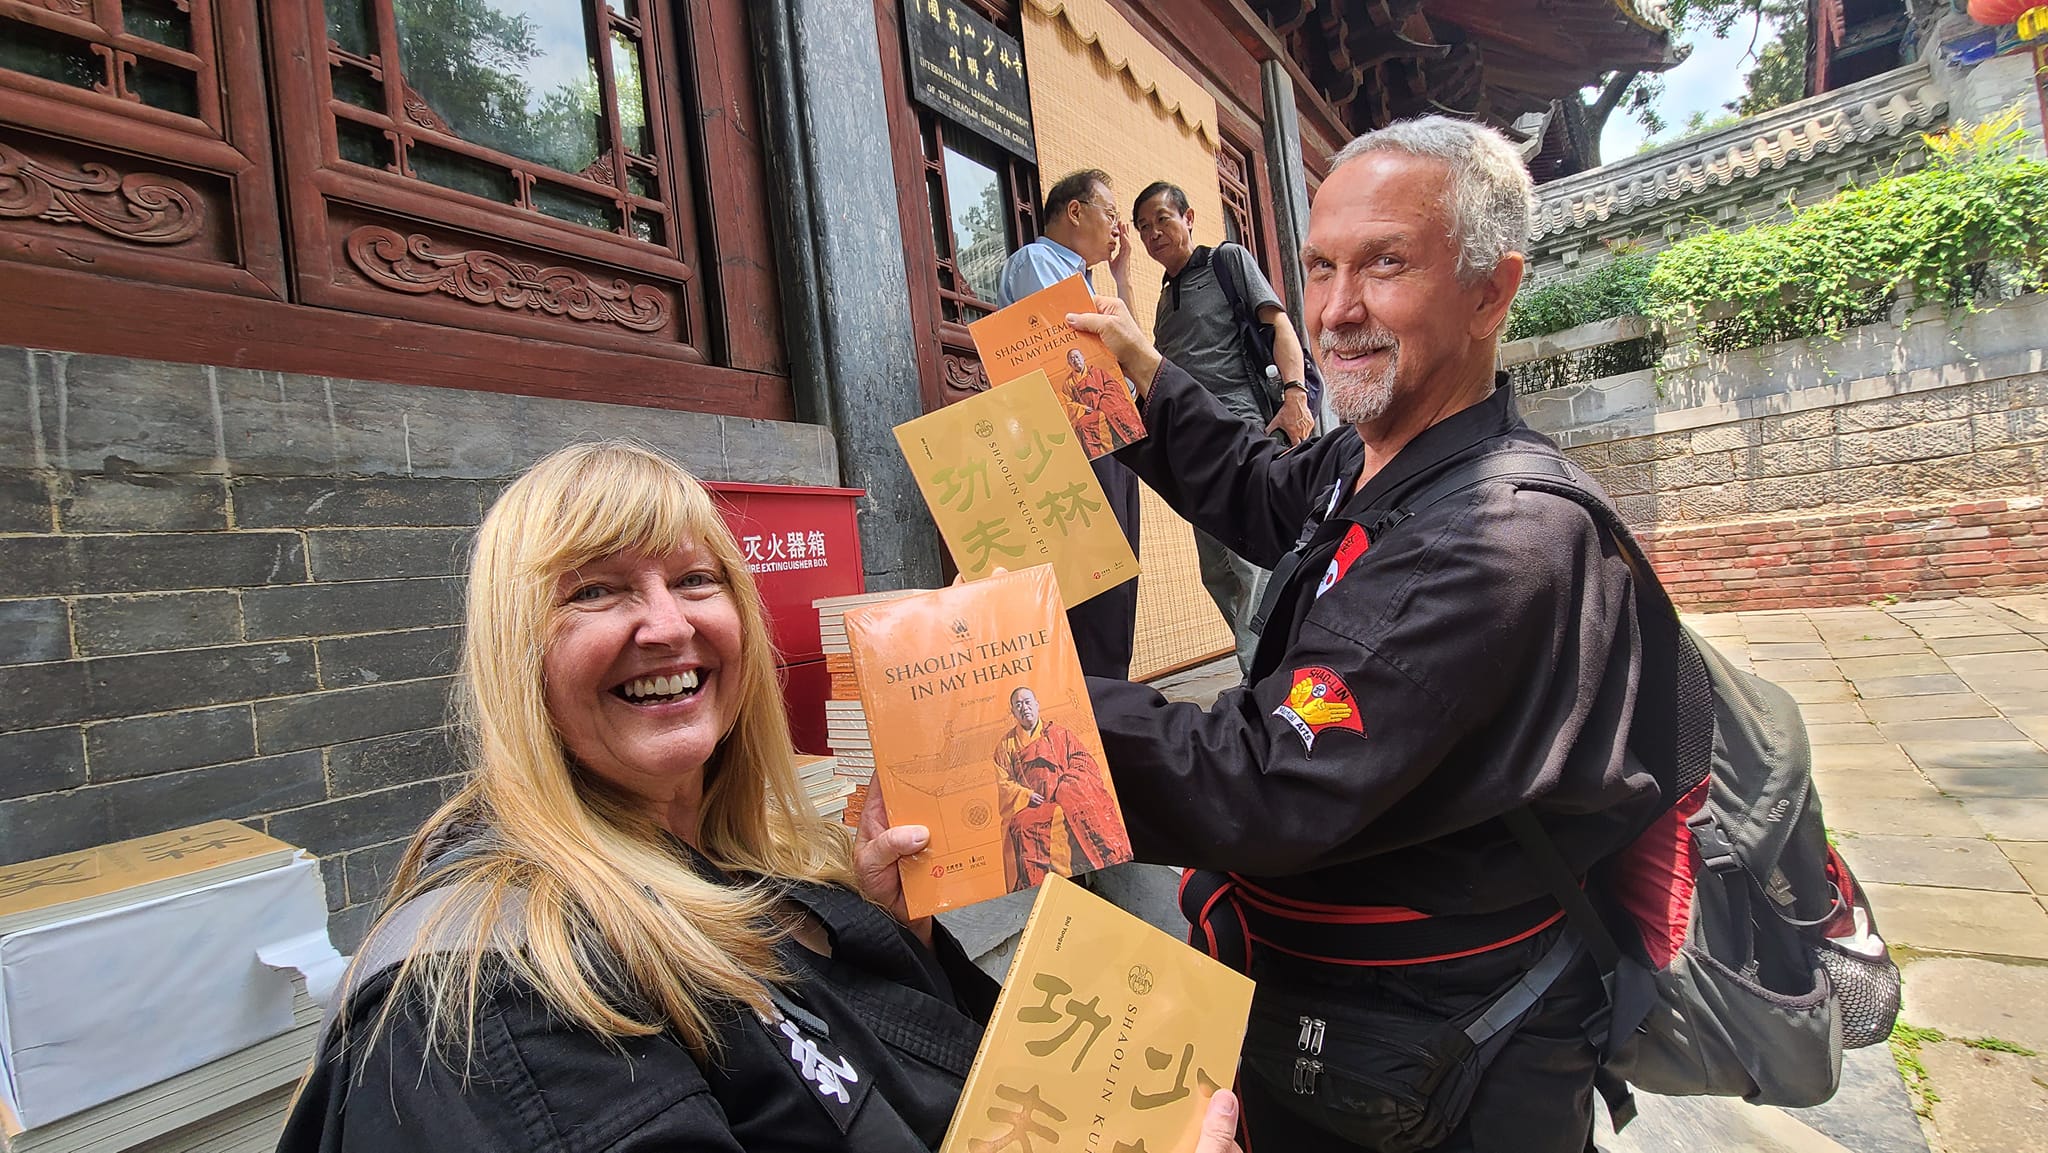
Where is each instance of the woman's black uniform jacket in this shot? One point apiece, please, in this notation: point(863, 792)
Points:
point(870, 1052)
point(1488, 646)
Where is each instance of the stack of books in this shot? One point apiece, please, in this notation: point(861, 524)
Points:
point(822, 783)
point(128, 895)
point(846, 726)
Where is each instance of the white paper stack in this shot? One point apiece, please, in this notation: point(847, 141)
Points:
point(159, 993)
point(822, 783)
point(224, 1106)
point(846, 725)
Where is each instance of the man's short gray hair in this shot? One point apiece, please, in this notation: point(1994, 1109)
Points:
point(1491, 199)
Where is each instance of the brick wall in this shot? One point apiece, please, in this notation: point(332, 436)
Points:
point(235, 594)
point(1855, 557)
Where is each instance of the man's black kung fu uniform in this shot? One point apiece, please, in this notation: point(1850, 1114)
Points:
point(1412, 685)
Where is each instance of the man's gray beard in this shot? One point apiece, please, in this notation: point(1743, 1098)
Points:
point(1363, 397)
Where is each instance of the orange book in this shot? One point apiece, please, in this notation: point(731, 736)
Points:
point(983, 733)
point(1109, 1034)
point(1033, 335)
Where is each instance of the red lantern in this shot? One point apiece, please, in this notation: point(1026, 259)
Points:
point(1996, 12)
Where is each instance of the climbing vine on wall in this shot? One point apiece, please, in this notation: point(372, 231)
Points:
point(1977, 214)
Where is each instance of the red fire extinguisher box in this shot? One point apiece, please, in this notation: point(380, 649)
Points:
point(801, 544)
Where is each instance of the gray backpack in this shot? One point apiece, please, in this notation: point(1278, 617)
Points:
point(1739, 956)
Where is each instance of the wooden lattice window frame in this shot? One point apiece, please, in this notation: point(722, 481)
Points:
point(97, 178)
point(1234, 174)
point(379, 239)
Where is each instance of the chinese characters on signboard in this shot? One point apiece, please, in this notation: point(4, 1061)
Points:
point(962, 67)
point(783, 551)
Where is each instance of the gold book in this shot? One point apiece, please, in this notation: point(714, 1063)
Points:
point(1009, 486)
point(1032, 335)
point(983, 733)
point(1108, 1035)
point(126, 872)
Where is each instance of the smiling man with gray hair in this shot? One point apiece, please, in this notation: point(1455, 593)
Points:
point(1438, 651)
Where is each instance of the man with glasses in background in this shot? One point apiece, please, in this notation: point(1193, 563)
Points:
point(1080, 228)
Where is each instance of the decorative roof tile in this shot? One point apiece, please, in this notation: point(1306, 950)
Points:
point(1891, 104)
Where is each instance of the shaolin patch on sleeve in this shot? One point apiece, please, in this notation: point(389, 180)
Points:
point(1319, 700)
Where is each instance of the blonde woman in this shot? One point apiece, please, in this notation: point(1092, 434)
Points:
point(628, 930)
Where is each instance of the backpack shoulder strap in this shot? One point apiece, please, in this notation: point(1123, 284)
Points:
point(416, 926)
point(1226, 279)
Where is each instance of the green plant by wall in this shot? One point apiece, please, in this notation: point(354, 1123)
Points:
point(1617, 288)
point(1838, 263)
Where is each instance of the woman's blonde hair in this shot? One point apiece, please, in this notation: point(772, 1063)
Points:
point(568, 882)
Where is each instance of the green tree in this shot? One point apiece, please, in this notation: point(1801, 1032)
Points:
point(1637, 93)
point(471, 61)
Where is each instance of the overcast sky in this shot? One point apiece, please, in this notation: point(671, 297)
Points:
point(1709, 78)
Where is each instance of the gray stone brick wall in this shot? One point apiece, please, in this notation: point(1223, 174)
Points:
point(228, 593)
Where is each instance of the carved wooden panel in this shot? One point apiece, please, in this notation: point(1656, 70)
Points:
point(553, 183)
point(134, 142)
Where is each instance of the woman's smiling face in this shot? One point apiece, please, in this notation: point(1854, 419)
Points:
point(641, 672)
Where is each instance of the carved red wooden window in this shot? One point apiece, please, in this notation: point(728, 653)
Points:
point(133, 142)
point(1234, 178)
point(517, 165)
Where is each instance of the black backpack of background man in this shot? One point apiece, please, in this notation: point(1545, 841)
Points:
point(1256, 340)
point(1739, 956)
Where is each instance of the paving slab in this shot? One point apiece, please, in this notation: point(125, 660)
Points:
point(1911, 817)
point(1861, 758)
point(2034, 724)
point(1863, 733)
point(1874, 646)
point(1940, 706)
point(2013, 754)
point(2033, 606)
point(1802, 651)
point(1966, 997)
point(1852, 785)
point(1960, 729)
point(1780, 633)
point(1817, 692)
point(1871, 1112)
point(1713, 624)
point(1961, 626)
point(1834, 713)
point(2031, 859)
point(2009, 818)
point(1960, 920)
point(2030, 662)
point(1811, 670)
point(1911, 686)
point(2013, 700)
point(1990, 1102)
point(1896, 665)
point(1996, 643)
point(1942, 862)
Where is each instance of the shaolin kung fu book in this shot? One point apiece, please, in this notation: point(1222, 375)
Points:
point(1033, 335)
point(1109, 1035)
point(1009, 487)
point(982, 732)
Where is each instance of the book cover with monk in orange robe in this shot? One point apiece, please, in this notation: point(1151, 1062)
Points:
point(982, 732)
point(1108, 1035)
point(1032, 335)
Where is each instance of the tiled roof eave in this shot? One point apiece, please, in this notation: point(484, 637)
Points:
point(1889, 105)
